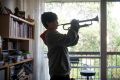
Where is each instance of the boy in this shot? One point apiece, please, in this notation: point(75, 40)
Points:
point(57, 43)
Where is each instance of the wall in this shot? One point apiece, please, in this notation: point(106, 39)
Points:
point(11, 4)
point(34, 8)
point(28, 7)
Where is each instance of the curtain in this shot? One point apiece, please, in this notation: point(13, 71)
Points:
point(35, 8)
point(39, 73)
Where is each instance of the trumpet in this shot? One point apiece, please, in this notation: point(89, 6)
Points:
point(91, 20)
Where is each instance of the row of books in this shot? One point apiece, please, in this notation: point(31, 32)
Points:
point(9, 45)
point(19, 29)
point(12, 45)
point(21, 72)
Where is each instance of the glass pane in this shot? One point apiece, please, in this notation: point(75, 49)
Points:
point(113, 26)
point(80, 64)
point(89, 36)
point(113, 61)
point(113, 40)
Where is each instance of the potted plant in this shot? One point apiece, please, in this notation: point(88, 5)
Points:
point(26, 54)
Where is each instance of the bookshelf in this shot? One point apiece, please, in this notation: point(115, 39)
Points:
point(14, 27)
point(17, 46)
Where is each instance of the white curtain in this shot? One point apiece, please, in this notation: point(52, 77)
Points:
point(35, 8)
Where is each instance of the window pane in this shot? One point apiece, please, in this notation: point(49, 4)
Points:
point(89, 36)
point(113, 40)
point(113, 26)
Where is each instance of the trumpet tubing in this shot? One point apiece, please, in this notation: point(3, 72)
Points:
point(93, 19)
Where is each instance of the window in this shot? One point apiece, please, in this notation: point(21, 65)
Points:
point(89, 36)
point(113, 40)
point(113, 26)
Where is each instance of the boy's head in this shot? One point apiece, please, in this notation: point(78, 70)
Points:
point(49, 20)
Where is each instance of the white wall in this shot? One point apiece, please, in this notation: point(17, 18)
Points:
point(23, 5)
point(11, 4)
point(34, 8)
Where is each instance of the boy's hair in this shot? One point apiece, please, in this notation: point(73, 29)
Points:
point(48, 17)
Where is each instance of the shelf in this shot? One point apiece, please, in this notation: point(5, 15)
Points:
point(4, 50)
point(18, 38)
point(21, 38)
point(4, 66)
point(12, 49)
point(24, 61)
point(23, 20)
point(17, 63)
point(20, 19)
point(17, 35)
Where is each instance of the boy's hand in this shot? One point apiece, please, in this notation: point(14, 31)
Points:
point(75, 23)
point(85, 25)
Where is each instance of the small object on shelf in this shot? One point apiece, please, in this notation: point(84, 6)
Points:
point(22, 14)
point(19, 58)
point(18, 13)
point(4, 10)
point(27, 54)
point(30, 19)
point(5, 55)
point(1, 63)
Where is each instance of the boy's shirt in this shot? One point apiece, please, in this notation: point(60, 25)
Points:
point(57, 43)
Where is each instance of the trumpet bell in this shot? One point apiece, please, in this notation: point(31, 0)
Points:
point(95, 19)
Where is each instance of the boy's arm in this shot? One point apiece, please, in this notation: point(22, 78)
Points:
point(70, 39)
point(75, 41)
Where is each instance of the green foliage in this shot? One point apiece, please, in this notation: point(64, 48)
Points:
point(25, 52)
